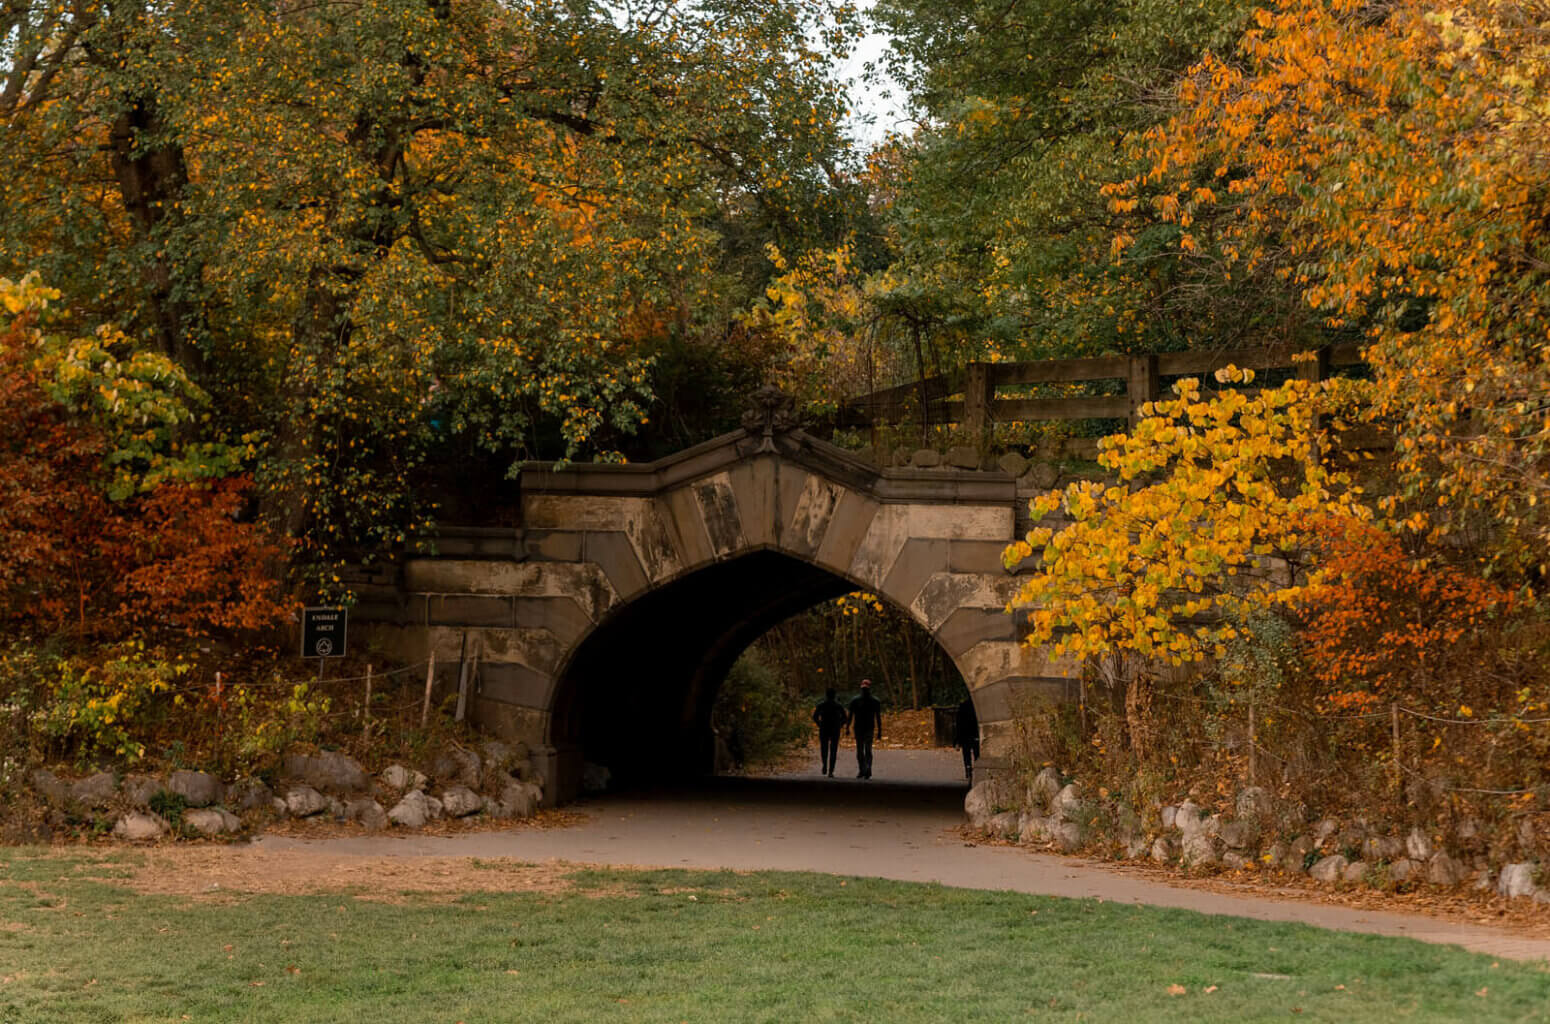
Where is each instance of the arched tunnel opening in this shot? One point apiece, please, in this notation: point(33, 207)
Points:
point(638, 693)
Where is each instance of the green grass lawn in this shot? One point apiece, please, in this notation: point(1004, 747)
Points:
point(701, 946)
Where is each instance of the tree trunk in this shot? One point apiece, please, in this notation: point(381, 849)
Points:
point(152, 177)
point(1138, 712)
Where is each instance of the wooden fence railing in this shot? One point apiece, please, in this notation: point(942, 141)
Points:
point(932, 400)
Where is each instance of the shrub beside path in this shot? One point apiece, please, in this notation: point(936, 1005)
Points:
point(901, 825)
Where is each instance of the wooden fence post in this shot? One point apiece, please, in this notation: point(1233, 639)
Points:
point(1141, 385)
point(430, 678)
point(1315, 370)
point(978, 393)
point(1394, 726)
point(1251, 744)
point(366, 709)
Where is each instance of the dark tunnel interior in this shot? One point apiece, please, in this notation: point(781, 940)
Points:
point(637, 694)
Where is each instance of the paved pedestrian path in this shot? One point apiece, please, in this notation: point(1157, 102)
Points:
point(897, 825)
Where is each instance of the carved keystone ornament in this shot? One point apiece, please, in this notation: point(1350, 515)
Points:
point(770, 412)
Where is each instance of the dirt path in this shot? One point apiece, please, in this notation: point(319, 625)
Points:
point(900, 825)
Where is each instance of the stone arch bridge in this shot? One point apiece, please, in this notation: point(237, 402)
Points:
point(603, 624)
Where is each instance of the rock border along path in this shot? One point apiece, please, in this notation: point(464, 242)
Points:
point(897, 826)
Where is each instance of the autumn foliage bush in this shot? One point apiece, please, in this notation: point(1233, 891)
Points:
point(1242, 620)
point(107, 597)
point(1387, 625)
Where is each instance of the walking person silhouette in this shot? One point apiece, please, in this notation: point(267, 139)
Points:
point(966, 736)
point(831, 718)
point(866, 722)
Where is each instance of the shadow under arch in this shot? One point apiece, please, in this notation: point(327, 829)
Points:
point(636, 693)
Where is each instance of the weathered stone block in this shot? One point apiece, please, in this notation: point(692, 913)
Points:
point(963, 457)
point(469, 610)
point(718, 508)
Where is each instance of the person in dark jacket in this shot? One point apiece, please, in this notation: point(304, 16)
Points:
point(866, 722)
point(966, 737)
point(831, 718)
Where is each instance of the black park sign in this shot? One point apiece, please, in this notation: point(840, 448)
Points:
point(323, 632)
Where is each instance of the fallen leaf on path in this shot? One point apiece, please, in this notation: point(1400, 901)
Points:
point(1177, 990)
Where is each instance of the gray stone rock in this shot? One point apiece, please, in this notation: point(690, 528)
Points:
point(413, 811)
point(1012, 464)
point(399, 778)
point(1516, 880)
point(138, 789)
point(336, 808)
point(1325, 830)
point(962, 456)
point(1188, 818)
point(1032, 827)
point(460, 801)
point(1067, 805)
point(248, 795)
point(1297, 854)
point(1235, 861)
point(95, 790)
point(1067, 836)
point(926, 458)
point(1418, 845)
point(367, 813)
point(1237, 835)
point(1445, 870)
point(1136, 847)
point(212, 821)
point(433, 807)
point(1254, 804)
point(1170, 816)
point(51, 787)
point(1383, 848)
point(1198, 849)
point(1003, 825)
point(1043, 476)
point(1329, 869)
point(456, 766)
point(139, 827)
point(302, 801)
point(327, 771)
point(1469, 829)
point(984, 800)
point(198, 789)
point(1165, 849)
point(1355, 871)
point(1402, 870)
point(1275, 855)
point(278, 806)
point(517, 800)
point(498, 759)
point(1351, 838)
point(1045, 787)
